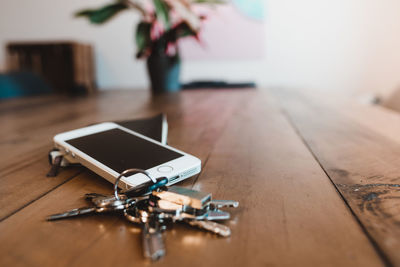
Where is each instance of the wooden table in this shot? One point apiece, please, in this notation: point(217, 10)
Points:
point(317, 180)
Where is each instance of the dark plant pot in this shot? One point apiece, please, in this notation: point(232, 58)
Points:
point(164, 73)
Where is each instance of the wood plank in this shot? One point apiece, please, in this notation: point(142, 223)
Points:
point(381, 120)
point(363, 164)
point(377, 118)
point(258, 159)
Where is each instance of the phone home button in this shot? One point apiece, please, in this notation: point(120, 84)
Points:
point(165, 169)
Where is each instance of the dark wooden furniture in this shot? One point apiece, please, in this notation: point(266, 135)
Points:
point(317, 180)
point(67, 66)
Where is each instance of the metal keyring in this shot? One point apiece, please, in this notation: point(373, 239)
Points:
point(130, 171)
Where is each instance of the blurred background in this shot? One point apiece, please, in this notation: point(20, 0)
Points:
point(344, 45)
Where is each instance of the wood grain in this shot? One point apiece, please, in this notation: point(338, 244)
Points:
point(362, 163)
point(289, 214)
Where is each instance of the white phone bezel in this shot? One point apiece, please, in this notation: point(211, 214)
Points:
point(180, 165)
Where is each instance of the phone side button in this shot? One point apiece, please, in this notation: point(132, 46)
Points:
point(165, 169)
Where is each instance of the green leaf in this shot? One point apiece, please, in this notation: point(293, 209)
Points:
point(162, 12)
point(143, 39)
point(103, 14)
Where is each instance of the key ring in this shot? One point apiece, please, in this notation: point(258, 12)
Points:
point(133, 171)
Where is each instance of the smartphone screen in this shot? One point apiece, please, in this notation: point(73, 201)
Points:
point(120, 150)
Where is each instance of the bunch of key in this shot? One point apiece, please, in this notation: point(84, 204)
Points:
point(153, 207)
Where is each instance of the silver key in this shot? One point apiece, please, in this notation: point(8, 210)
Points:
point(72, 213)
point(211, 215)
point(211, 211)
point(216, 215)
point(152, 239)
point(202, 221)
point(213, 227)
point(101, 204)
point(150, 222)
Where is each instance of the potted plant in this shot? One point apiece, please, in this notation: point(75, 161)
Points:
point(162, 23)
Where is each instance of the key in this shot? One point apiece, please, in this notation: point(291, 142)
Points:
point(213, 205)
point(214, 215)
point(212, 209)
point(213, 227)
point(101, 204)
point(211, 215)
point(72, 213)
point(152, 240)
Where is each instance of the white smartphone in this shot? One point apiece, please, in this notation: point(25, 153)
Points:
point(108, 149)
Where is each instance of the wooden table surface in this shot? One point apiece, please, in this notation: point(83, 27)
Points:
point(317, 179)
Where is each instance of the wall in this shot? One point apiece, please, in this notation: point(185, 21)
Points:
point(347, 45)
point(351, 45)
